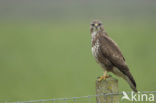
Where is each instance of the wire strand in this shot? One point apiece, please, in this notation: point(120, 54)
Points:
point(75, 98)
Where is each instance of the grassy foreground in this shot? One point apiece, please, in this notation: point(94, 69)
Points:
point(49, 60)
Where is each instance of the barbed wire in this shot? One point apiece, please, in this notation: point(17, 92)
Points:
point(74, 98)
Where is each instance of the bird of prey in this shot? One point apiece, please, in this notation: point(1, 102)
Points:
point(108, 54)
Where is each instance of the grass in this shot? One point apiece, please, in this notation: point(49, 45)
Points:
point(49, 60)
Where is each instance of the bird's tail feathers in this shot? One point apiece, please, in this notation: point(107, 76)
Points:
point(129, 78)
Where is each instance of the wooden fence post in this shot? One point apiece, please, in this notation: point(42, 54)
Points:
point(110, 85)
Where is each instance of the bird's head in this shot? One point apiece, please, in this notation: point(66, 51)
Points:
point(96, 26)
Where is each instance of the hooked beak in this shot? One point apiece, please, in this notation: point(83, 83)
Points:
point(96, 26)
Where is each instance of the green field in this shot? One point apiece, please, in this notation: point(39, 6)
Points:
point(53, 60)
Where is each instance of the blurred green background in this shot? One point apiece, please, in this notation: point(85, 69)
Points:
point(45, 46)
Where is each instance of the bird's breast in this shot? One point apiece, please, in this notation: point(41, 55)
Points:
point(95, 50)
point(93, 34)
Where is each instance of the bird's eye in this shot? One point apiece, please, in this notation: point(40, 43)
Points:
point(99, 24)
point(92, 25)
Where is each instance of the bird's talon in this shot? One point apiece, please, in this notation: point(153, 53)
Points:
point(104, 77)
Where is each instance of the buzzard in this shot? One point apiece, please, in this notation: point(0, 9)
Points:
point(108, 54)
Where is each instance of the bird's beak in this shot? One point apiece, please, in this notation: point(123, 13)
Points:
point(96, 25)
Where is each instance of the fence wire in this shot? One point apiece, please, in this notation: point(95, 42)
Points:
point(74, 99)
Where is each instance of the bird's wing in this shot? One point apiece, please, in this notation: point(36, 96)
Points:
point(111, 51)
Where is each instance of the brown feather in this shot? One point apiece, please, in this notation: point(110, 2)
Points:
point(108, 54)
point(111, 51)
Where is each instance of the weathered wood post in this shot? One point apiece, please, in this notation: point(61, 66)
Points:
point(110, 85)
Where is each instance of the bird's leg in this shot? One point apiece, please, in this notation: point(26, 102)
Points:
point(104, 76)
